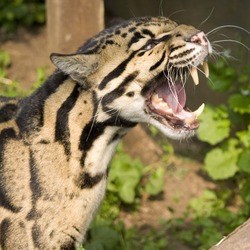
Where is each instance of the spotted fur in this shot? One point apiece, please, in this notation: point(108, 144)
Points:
point(55, 145)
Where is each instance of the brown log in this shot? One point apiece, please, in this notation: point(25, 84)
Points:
point(71, 22)
point(239, 239)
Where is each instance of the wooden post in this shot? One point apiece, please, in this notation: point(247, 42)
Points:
point(71, 22)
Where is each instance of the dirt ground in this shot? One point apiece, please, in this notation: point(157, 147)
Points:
point(28, 51)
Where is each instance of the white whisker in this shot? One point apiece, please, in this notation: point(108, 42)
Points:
point(178, 11)
point(210, 14)
point(161, 12)
point(172, 78)
point(201, 71)
point(94, 118)
point(233, 41)
point(227, 26)
point(116, 119)
point(192, 65)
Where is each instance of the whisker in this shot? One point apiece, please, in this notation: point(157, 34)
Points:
point(173, 90)
point(170, 80)
point(233, 41)
point(192, 65)
point(112, 112)
point(202, 72)
point(94, 118)
point(222, 54)
point(175, 12)
point(132, 12)
point(210, 14)
point(116, 119)
point(227, 26)
point(161, 12)
point(172, 77)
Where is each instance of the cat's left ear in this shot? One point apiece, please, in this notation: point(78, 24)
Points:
point(77, 66)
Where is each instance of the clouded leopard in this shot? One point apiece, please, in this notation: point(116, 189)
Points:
point(55, 145)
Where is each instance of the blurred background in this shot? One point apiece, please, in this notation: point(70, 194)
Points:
point(162, 194)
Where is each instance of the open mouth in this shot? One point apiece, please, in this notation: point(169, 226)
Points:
point(166, 102)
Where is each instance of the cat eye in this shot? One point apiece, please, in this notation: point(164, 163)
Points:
point(150, 45)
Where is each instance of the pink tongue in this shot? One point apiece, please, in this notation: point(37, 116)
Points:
point(174, 96)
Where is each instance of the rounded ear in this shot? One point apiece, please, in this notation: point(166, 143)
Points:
point(78, 66)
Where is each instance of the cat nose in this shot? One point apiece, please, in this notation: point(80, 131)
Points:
point(200, 38)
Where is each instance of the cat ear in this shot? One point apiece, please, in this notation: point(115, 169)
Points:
point(77, 66)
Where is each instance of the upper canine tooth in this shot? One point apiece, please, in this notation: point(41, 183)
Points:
point(198, 112)
point(205, 69)
point(194, 74)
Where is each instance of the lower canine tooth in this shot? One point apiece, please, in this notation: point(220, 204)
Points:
point(194, 75)
point(205, 69)
point(156, 98)
point(198, 112)
point(163, 104)
point(190, 120)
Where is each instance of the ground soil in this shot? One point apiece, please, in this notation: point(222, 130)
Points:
point(28, 51)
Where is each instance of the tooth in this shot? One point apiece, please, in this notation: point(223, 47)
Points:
point(163, 104)
point(194, 74)
point(156, 98)
point(198, 112)
point(190, 120)
point(205, 69)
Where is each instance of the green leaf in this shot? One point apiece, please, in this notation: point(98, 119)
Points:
point(5, 60)
point(221, 164)
point(215, 125)
point(125, 175)
point(244, 137)
point(95, 245)
point(40, 77)
point(205, 204)
point(103, 238)
point(127, 192)
point(244, 161)
point(218, 81)
point(155, 182)
point(240, 103)
point(245, 191)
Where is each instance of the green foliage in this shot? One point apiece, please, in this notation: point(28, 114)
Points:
point(103, 237)
point(222, 76)
point(206, 204)
point(211, 220)
point(40, 78)
point(215, 125)
point(12, 88)
point(7, 87)
point(227, 129)
point(244, 161)
point(125, 175)
point(5, 60)
point(221, 163)
point(21, 12)
point(240, 103)
point(155, 182)
point(114, 236)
